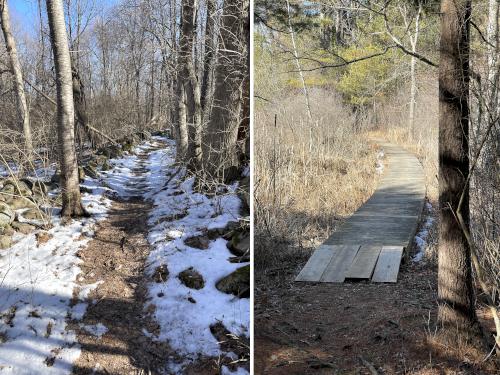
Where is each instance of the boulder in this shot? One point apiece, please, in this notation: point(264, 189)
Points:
point(239, 244)
point(21, 187)
point(7, 215)
point(23, 228)
point(236, 283)
point(244, 192)
point(5, 242)
point(161, 273)
point(111, 152)
point(7, 231)
point(198, 242)
point(191, 278)
point(17, 203)
point(40, 188)
point(33, 214)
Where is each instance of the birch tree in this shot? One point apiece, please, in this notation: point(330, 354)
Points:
point(15, 65)
point(71, 199)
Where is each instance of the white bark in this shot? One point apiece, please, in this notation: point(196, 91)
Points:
point(22, 106)
point(65, 111)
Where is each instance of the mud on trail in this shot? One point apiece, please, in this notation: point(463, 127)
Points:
point(115, 259)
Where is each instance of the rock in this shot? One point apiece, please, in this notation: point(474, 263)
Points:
point(5, 242)
point(237, 283)
point(84, 189)
point(105, 166)
point(33, 214)
point(7, 231)
point(239, 244)
point(244, 192)
point(191, 278)
point(111, 152)
point(225, 232)
point(21, 187)
point(23, 228)
point(198, 242)
point(7, 215)
point(90, 171)
point(161, 273)
point(144, 135)
point(17, 203)
point(40, 188)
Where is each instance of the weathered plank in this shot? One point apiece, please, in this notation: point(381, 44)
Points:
point(315, 266)
point(388, 218)
point(387, 268)
point(340, 263)
point(363, 265)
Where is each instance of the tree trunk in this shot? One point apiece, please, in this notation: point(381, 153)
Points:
point(71, 200)
point(193, 92)
point(211, 39)
point(455, 288)
point(220, 143)
point(22, 106)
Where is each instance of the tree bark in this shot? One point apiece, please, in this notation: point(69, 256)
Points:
point(71, 199)
point(220, 142)
point(22, 106)
point(193, 91)
point(455, 288)
point(211, 43)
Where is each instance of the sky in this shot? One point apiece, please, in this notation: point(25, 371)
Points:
point(24, 13)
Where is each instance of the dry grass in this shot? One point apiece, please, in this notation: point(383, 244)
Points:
point(307, 175)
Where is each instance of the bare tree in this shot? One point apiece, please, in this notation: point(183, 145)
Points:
point(71, 205)
point(22, 106)
point(455, 288)
point(220, 142)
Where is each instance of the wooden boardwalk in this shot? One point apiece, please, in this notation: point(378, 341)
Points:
point(371, 243)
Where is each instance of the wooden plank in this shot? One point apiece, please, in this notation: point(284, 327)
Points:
point(387, 268)
point(316, 264)
point(340, 263)
point(363, 265)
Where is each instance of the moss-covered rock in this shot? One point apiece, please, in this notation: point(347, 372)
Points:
point(5, 241)
point(191, 278)
point(17, 203)
point(22, 187)
point(23, 228)
point(237, 283)
point(7, 215)
point(33, 214)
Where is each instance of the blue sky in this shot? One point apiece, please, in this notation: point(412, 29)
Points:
point(25, 12)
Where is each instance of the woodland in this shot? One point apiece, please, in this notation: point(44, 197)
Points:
point(332, 80)
point(124, 186)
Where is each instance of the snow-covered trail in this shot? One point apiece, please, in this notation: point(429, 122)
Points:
point(54, 293)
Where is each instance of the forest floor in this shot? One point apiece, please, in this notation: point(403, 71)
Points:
point(358, 327)
point(105, 295)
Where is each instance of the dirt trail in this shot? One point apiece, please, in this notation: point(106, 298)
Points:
point(116, 257)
